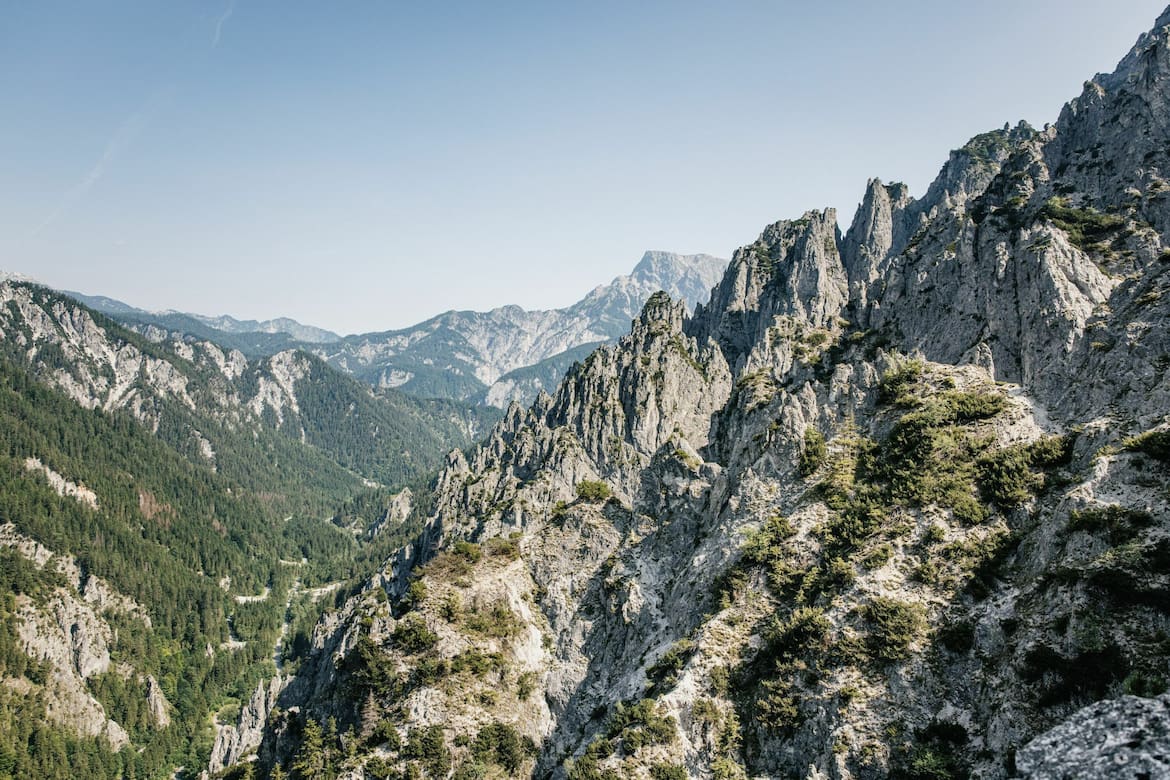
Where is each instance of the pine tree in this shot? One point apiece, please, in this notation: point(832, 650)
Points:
point(309, 763)
point(370, 716)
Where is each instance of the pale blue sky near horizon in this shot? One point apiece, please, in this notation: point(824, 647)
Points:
point(363, 166)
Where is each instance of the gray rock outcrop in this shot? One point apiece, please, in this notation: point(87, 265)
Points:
point(1122, 739)
point(234, 741)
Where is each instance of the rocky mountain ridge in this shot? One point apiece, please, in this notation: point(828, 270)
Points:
point(224, 323)
point(492, 357)
point(254, 338)
point(892, 503)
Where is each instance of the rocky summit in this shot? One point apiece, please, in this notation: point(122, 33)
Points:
point(892, 503)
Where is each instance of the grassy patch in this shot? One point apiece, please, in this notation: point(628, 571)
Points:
point(500, 547)
point(476, 663)
point(639, 725)
point(497, 621)
point(453, 563)
point(500, 744)
point(813, 453)
point(663, 675)
point(895, 383)
point(767, 682)
point(427, 746)
point(1012, 475)
point(1120, 525)
point(668, 772)
point(593, 491)
point(1088, 229)
point(412, 636)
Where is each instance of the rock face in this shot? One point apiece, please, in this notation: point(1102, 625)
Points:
point(70, 636)
point(891, 503)
point(233, 742)
point(63, 486)
point(399, 510)
point(1120, 738)
point(484, 355)
point(93, 590)
point(67, 631)
point(157, 702)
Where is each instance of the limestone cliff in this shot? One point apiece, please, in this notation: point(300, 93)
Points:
point(892, 503)
point(68, 632)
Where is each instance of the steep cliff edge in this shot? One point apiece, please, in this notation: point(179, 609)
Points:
point(892, 503)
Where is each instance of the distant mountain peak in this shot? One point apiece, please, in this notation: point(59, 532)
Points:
point(655, 261)
point(458, 354)
point(510, 352)
point(307, 333)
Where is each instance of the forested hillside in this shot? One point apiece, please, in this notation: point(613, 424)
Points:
point(173, 521)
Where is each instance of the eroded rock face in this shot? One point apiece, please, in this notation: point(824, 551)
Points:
point(1119, 738)
point(872, 511)
point(234, 741)
point(793, 271)
point(67, 630)
point(75, 642)
point(94, 591)
point(157, 702)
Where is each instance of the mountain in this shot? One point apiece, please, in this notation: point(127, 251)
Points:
point(489, 358)
point(465, 355)
point(205, 400)
point(162, 541)
point(253, 338)
point(892, 503)
point(307, 334)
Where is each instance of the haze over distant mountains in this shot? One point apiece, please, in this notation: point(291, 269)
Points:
point(493, 357)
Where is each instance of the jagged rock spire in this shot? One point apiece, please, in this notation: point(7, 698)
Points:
point(794, 269)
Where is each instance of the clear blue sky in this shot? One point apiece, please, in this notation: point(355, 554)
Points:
point(363, 165)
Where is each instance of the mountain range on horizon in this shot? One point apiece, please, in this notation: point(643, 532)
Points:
point(493, 357)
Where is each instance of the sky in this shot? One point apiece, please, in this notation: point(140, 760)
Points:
point(362, 166)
